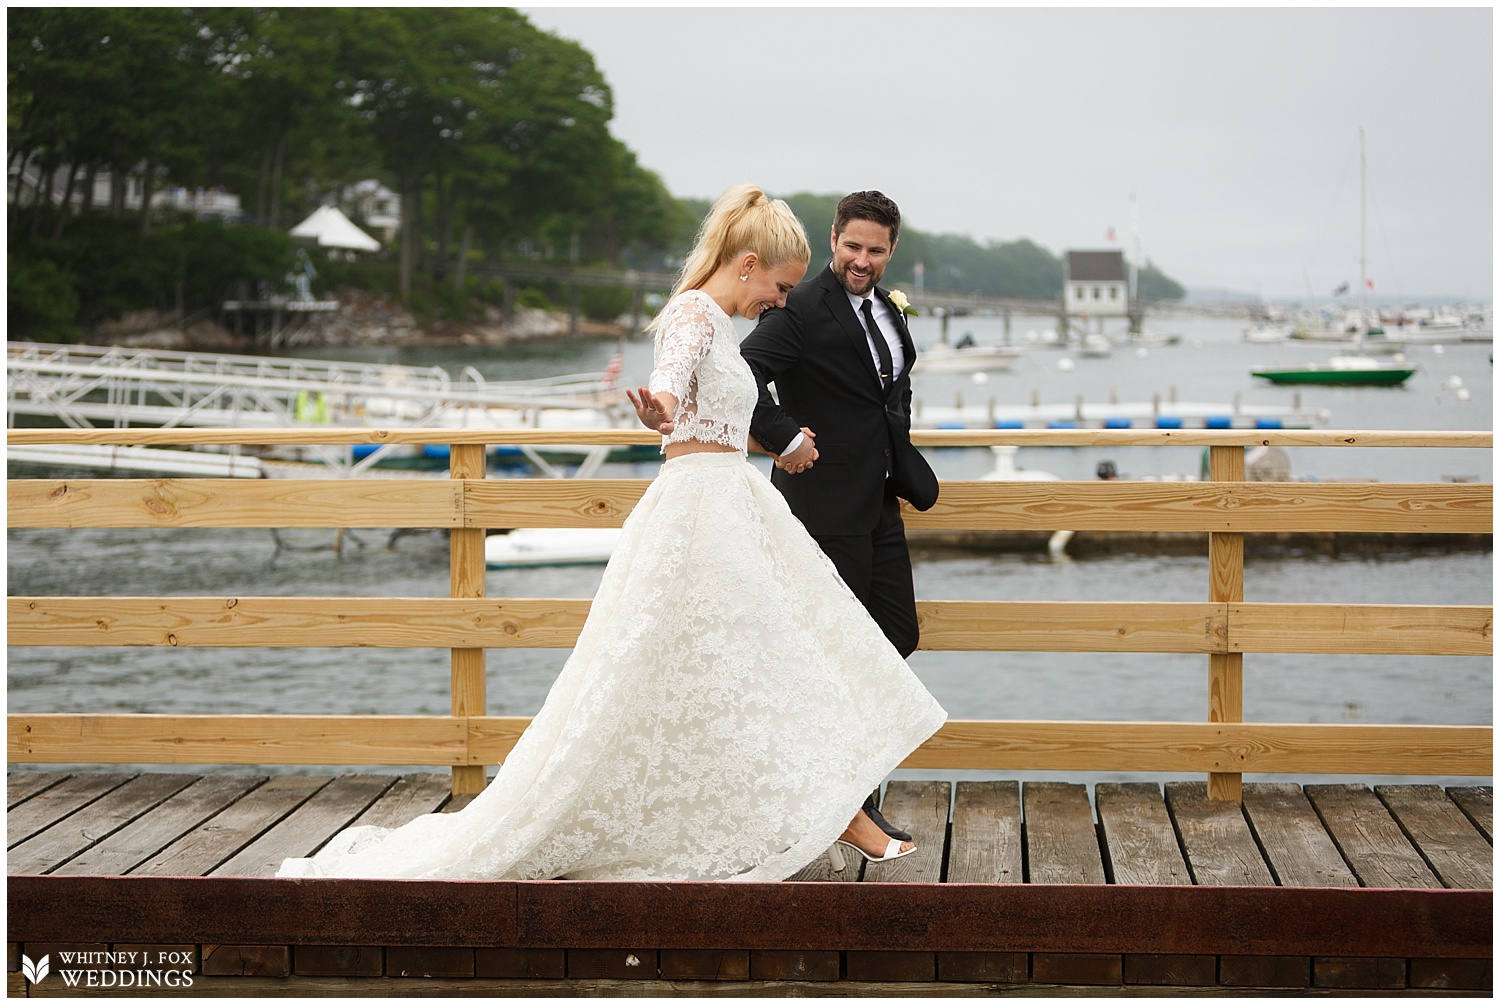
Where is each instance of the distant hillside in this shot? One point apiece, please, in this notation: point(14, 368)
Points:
point(958, 263)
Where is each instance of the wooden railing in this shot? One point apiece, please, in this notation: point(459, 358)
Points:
point(1224, 626)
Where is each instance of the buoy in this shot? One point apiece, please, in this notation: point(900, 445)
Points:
point(1437, 350)
point(979, 377)
point(1141, 352)
point(1454, 382)
point(1463, 394)
point(1065, 365)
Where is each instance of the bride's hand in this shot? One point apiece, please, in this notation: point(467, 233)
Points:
point(654, 411)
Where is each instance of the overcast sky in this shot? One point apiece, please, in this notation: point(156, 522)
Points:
point(1237, 130)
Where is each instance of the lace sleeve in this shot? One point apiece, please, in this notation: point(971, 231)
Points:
point(682, 341)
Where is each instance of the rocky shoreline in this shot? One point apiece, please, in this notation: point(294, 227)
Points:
point(362, 319)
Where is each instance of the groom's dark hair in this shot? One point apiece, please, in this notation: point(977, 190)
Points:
point(872, 206)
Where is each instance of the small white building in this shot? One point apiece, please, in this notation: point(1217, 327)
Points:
point(1096, 283)
point(374, 204)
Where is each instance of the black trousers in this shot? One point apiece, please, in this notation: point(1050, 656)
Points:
point(877, 567)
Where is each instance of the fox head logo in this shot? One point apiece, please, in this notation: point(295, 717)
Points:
point(34, 972)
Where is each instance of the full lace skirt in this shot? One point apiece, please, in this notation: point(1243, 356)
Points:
point(727, 707)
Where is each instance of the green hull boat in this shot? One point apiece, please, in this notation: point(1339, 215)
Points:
point(1346, 370)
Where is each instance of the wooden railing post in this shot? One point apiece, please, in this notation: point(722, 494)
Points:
point(1226, 584)
point(466, 579)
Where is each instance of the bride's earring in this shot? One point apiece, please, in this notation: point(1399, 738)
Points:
point(745, 277)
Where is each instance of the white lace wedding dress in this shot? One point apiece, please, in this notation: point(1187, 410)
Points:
point(727, 707)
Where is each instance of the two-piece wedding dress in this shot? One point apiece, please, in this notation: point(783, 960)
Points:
point(729, 702)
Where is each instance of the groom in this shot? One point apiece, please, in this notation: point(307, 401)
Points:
point(840, 356)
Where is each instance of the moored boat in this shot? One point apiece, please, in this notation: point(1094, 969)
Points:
point(534, 546)
point(967, 357)
point(1347, 370)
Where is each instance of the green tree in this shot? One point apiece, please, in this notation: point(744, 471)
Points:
point(290, 111)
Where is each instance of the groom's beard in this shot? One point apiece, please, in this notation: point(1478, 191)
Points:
point(857, 285)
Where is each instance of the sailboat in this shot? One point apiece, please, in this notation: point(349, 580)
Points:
point(1358, 368)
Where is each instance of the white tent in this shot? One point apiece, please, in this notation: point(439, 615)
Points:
point(330, 228)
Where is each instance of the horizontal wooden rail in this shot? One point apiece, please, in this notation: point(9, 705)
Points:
point(61, 738)
point(228, 502)
point(1193, 507)
point(1188, 747)
point(309, 435)
point(1407, 629)
point(947, 625)
point(1232, 507)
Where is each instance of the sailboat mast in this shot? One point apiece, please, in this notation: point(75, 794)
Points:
point(1364, 323)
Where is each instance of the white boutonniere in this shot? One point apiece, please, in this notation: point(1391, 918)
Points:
point(898, 299)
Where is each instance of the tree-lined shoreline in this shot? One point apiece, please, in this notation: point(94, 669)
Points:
point(494, 134)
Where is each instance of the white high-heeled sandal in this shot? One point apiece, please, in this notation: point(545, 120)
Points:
point(892, 852)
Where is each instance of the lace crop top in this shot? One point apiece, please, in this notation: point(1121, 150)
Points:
point(698, 360)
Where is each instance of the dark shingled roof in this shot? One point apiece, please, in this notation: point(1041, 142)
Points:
point(1096, 266)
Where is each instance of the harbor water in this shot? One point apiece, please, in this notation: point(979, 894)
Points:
point(1210, 364)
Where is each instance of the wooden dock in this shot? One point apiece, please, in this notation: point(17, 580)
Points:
point(1141, 889)
point(1194, 887)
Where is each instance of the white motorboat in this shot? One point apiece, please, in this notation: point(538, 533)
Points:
point(1267, 333)
point(1096, 346)
point(1005, 469)
point(968, 356)
point(534, 546)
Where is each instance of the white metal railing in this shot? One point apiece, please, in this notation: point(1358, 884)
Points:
point(90, 386)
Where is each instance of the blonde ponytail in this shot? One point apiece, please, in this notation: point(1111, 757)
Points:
point(742, 219)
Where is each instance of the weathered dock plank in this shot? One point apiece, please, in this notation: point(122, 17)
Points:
point(1062, 845)
point(921, 808)
point(47, 808)
point(986, 846)
point(81, 830)
point(1139, 841)
point(1299, 850)
point(147, 835)
point(306, 829)
point(1445, 837)
point(410, 797)
point(1478, 804)
point(204, 848)
point(1220, 849)
point(1369, 839)
point(22, 785)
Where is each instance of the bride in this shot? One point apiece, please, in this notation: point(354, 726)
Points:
point(729, 703)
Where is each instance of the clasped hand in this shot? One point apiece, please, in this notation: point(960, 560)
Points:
point(802, 458)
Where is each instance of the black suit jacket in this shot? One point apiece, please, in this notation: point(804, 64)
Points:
point(816, 352)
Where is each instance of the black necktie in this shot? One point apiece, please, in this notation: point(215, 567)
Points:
point(881, 348)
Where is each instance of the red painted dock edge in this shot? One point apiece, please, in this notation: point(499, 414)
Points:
point(1164, 920)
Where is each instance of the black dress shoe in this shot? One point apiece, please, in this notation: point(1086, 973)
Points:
point(881, 822)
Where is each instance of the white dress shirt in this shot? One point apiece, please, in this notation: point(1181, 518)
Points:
point(890, 327)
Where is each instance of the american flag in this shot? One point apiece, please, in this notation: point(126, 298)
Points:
point(612, 371)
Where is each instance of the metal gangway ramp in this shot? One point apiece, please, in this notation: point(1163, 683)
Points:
point(83, 386)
